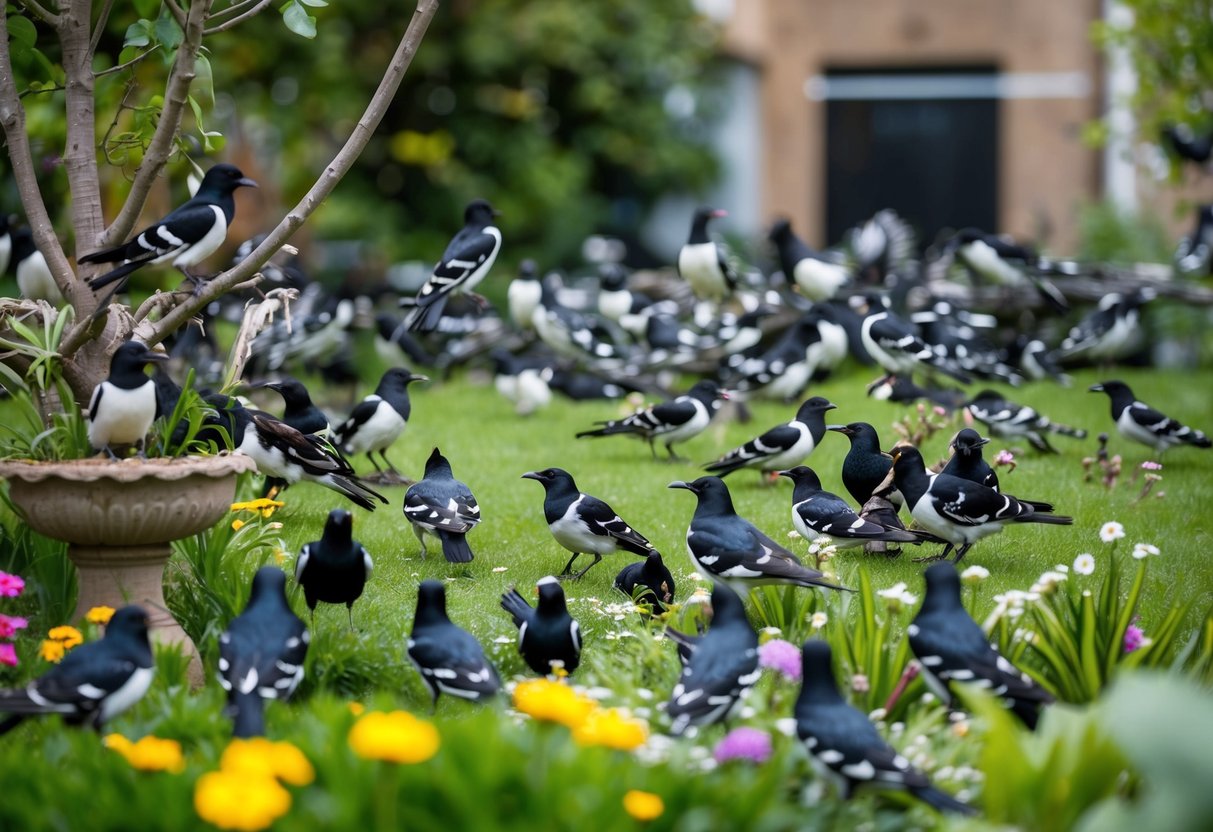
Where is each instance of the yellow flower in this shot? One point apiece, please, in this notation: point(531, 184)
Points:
point(259, 757)
point(68, 636)
point(398, 737)
point(238, 800)
point(643, 806)
point(150, 753)
point(356, 708)
point(550, 701)
point(614, 728)
point(264, 505)
point(99, 615)
point(237, 525)
point(52, 651)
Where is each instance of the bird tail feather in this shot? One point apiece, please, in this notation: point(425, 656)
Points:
point(943, 802)
point(608, 429)
point(1051, 519)
point(114, 275)
point(248, 718)
point(359, 494)
point(516, 606)
point(1066, 430)
point(455, 547)
point(425, 316)
point(19, 702)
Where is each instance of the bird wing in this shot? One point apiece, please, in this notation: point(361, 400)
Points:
point(602, 519)
point(969, 504)
point(718, 674)
point(178, 230)
point(358, 417)
point(1087, 331)
point(448, 512)
point(255, 660)
point(671, 414)
point(956, 649)
point(306, 450)
point(467, 252)
point(891, 333)
point(846, 741)
point(453, 661)
point(301, 562)
point(91, 412)
point(829, 514)
point(1152, 420)
point(82, 684)
point(774, 441)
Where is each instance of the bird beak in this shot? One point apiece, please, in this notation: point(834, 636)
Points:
point(155, 357)
point(415, 377)
point(681, 484)
point(532, 475)
point(1095, 388)
point(246, 182)
point(843, 429)
point(787, 474)
point(985, 440)
point(830, 407)
point(724, 394)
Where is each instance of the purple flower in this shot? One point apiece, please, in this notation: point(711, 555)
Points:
point(1134, 637)
point(11, 585)
point(782, 657)
point(744, 744)
point(10, 624)
point(8, 655)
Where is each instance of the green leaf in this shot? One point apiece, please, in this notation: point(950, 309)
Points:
point(203, 85)
point(139, 33)
point(21, 33)
point(168, 32)
point(298, 20)
point(315, 4)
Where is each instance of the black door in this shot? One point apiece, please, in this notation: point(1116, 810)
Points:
point(933, 160)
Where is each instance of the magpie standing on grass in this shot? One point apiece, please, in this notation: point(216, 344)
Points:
point(186, 236)
point(702, 262)
point(466, 261)
point(281, 451)
point(335, 568)
point(893, 343)
point(1009, 420)
point(952, 647)
point(522, 296)
point(443, 507)
point(548, 637)
point(817, 513)
point(967, 462)
point(845, 747)
point(1141, 423)
point(449, 658)
point(675, 420)
point(728, 548)
point(379, 419)
point(95, 682)
point(261, 653)
point(959, 511)
point(817, 277)
point(300, 414)
point(584, 524)
point(34, 278)
point(123, 406)
point(650, 574)
point(722, 667)
point(782, 446)
point(865, 467)
point(903, 390)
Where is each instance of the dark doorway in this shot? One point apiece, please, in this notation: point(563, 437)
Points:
point(929, 150)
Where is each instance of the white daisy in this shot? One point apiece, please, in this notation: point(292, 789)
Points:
point(1144, 550)
point(1111, 532)
point(1084, 564)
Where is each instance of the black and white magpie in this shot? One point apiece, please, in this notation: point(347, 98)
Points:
point(967, 462)
point(817, 513)
point(865, 467)
point(522, 296)
point(814, 343)
point(34, 278)
point(722, 667)
point(958, 339)
point(569, 332)
point(952, 647)
point(702, 263)
point(548, 637)
point(300, 413)
point(1004, 263)
point(959, 511)
point(1139, 422)
point(443, 507)
point(1008, 420)
point(728, 548)
point(893, 343)
point(186, 236)
point(448, 657)
point(467, 259)
point(615, 299)
point(845, 747)
point(675, 420)
point(903, 390)
point(817, 277)
point(261, 653)
point(95, 682)
point(647, 582)
point(1194, 254)
point(335, 568)
point(783, 445)
point(1111, 331)
point(124, 406)
point(1035, 360)
point(379, 419)
point(882, 245)
point(584, 524)
point(281, 451)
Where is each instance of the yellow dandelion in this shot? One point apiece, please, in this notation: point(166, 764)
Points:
point(614, 728)
point(643, 806)
point(99, 615)
point(149, 753)
point(264, 506)
point(52, 651)
point(550, 701)
point(237, 525)
point(397, 737)
point(66, 635)
point(356, 708)
point(240, 801)
point(264, 758)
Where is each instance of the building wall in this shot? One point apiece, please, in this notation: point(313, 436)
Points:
point(1046, 170)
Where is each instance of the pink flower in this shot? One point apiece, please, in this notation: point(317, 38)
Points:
point(1004, 457)
point(782, 657)
point(1133, 638)
point(10, 624)
point(744, 744)
point(8, 655)
point(11, 585)
point(1151, 466)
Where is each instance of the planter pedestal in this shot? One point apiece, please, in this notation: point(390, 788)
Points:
point(119, 518)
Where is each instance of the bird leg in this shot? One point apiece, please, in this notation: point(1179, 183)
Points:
point(652, 448)
point(421, 539)
point(568, 567)
point(933, 558)
point(960, 553)
point(673, 456)
point(350, 609)
point(110, 451)
point(371, 456)
point(581, 574)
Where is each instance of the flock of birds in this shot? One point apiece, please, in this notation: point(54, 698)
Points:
point(876, 303)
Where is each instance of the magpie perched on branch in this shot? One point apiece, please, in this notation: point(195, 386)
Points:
point(95, 682)
point(548, 637)
point(261, 653)
point(123, 407)
point(466, 261)
point(1111, 331)
point(187, 235)
point(443, 507)
point(1139, 422)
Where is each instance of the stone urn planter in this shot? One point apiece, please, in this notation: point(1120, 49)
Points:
point(118, 519)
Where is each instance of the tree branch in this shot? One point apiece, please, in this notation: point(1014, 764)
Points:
point(238, 19)
point(324, 185)
point(234, 8)
point(175, 96)
point(41, 12)
point(128, 64)
point(99, 28)
point(177, 12)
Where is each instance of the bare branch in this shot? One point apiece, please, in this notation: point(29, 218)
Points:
point(238, 19)
point(99, 28)
point(175, 96)
point(128, 64)
point(177, 12)
point(41, 12)
point(234, 8)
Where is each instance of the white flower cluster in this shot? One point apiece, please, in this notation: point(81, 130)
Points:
point(1048, 583)
point(1009, 604)
point(898, 595)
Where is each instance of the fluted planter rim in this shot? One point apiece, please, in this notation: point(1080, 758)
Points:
point(126, 470)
